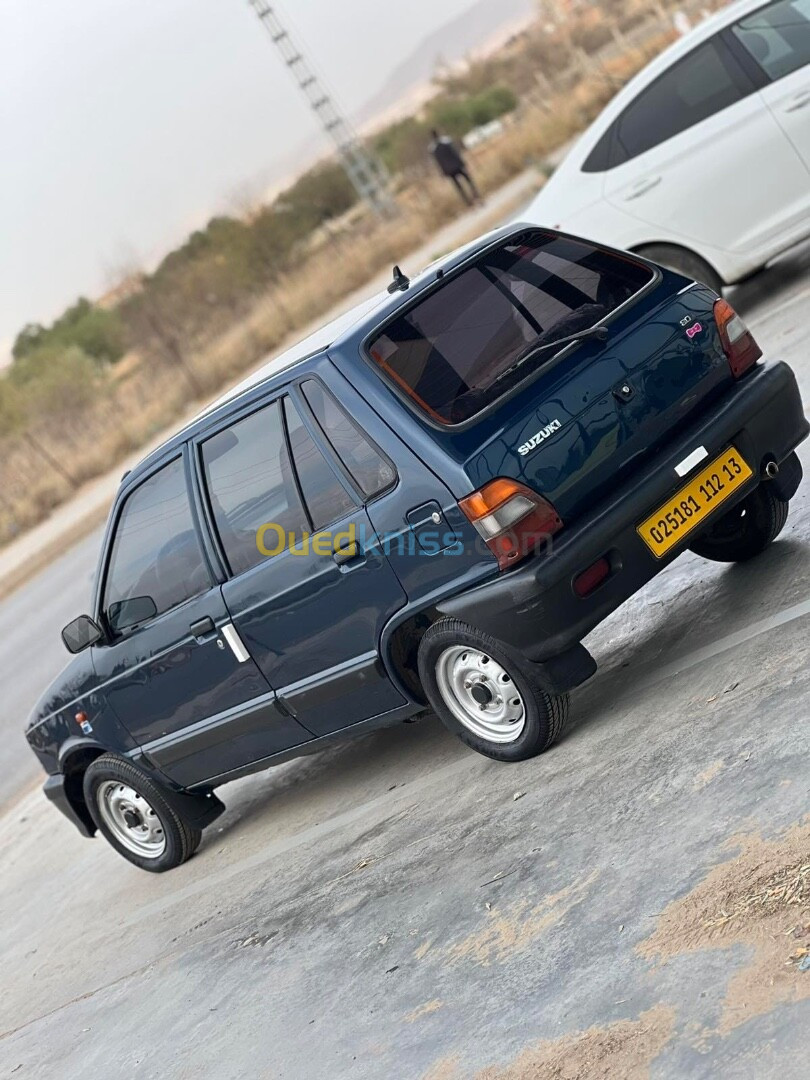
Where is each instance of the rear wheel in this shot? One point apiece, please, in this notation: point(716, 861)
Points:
point(746, 530)
point(133, 815)
point(684, 262)
point(487, 694)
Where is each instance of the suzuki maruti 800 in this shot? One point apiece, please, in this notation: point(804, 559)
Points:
point(427, 505)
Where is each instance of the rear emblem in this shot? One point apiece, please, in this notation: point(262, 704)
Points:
point(540, 437)
point(693, 330)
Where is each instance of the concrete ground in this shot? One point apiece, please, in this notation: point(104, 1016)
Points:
point(633, 903)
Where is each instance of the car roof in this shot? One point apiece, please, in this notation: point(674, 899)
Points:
point(656, 67)
point(362, 318)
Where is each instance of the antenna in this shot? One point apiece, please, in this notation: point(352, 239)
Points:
point(365, 171)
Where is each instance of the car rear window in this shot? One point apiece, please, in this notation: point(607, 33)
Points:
point(452, 352)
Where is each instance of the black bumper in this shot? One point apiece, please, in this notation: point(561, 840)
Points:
point(534, 608)
point(54, 788)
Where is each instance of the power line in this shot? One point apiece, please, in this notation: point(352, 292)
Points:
point(363, 168)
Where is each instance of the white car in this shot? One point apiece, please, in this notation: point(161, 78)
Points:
point(702, 162)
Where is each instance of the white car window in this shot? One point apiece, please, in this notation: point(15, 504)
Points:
point(702, 84)
point(778, 37)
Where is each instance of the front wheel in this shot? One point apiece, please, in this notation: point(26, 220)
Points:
point(133, 816)
point(487, 694)
point(746, 530)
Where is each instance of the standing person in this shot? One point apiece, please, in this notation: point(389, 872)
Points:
point(448, 157)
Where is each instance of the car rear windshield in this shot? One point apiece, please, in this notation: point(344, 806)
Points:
point(455, 352)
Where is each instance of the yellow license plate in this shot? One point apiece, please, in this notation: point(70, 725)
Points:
point(694, 502)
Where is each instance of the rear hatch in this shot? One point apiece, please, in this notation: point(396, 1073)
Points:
point(569, 420)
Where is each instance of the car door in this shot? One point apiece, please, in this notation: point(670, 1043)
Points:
point(776, 39)
point(699, 156)
point(310, 586)
point(173, 668)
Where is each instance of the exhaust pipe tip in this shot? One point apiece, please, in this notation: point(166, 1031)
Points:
point(772, 470)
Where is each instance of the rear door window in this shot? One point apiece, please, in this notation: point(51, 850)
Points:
point(325, 496)
point(777, 36)
point(251, 483)
point(459, 350)
point(371, 471)
point(156, 562)
point(704, 83)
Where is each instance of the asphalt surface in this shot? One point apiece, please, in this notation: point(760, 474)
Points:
point(390, 909)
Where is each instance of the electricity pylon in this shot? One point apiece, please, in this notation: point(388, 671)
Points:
point(365, 171)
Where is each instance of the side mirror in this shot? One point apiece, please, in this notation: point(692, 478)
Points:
point(122, 614)
point(81, 634)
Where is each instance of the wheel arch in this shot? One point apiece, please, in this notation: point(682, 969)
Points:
point(75, 756)
point(399, 648)
point(645, 246)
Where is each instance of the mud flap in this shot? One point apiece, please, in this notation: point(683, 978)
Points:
point(786, 483)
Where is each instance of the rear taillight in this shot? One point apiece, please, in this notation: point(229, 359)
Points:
point(739, 344)
point(512, 519)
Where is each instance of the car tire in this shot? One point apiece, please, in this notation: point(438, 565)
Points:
point(488, 694)
point(685, 262)
point(134, 817)
point(746, 530)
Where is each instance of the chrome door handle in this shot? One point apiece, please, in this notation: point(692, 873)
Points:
point(642, 187)
point(800, 101)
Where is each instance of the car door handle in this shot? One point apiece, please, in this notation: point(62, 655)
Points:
point(642, 187)
point(346, 553)
point(203, 627)
point(800, 101)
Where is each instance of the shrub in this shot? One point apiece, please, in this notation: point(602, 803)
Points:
point(97, 332)
point(458, 116)
point(52, 381)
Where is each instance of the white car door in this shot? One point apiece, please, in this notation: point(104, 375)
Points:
point(701, 158)
point(777, 38)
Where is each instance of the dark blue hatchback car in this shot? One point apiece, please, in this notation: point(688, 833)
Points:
point(428, 505)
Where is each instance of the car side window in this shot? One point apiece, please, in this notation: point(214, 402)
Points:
point(777, 37)
point(251, 483)
point(601, 158)
point(326, 498)
point(155, 562)
point(371, 471)
point(701, 84)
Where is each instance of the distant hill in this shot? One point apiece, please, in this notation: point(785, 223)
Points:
point(451, 43)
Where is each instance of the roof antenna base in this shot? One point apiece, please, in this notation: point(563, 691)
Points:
point(400, 282)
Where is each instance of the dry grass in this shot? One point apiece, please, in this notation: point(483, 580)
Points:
point(624, 1050)
point(44, 467)
point(757, 906)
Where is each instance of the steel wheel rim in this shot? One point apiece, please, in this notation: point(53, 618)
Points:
point(131, 819)
point(481, 694)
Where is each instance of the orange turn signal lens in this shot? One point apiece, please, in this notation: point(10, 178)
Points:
point(511, 518)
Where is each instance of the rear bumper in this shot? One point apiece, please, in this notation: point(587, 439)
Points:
point(535, 609)
point(54, 788)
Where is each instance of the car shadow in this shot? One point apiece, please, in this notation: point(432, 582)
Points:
point(662, 624)
point(695, 617)
point(788, 270)
point(318, 786)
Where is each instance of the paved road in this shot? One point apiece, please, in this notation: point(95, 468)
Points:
point(389, 909)
point(31, 652)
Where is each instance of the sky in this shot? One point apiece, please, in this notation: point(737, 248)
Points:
point(125, 124)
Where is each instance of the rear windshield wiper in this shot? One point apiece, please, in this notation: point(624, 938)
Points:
point(600, 333)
